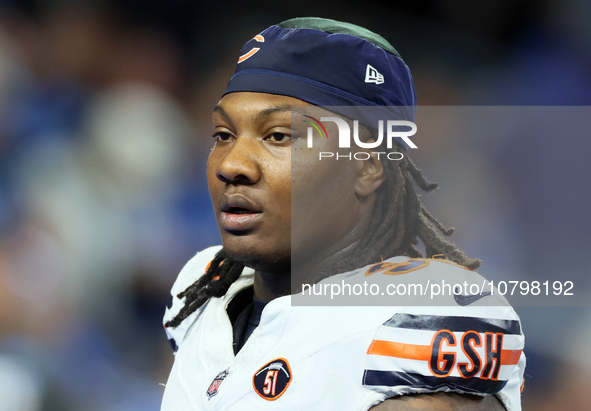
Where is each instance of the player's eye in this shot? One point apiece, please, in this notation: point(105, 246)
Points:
point(279, 137)
point(221, 136)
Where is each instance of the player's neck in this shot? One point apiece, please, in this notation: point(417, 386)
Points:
point(308, 268)
point(268, 286)
point(323, 265)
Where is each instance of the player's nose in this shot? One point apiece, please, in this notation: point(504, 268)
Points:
point(240, 162)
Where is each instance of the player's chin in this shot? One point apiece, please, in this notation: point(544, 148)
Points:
point(261, 254)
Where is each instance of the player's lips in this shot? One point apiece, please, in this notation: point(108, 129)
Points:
point(239, 212)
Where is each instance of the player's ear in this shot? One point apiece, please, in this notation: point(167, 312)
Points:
point(370, 175)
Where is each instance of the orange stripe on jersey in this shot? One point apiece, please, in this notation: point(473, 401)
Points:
point(400, 350)
point(209, 265)
point(510, 357)
point(260, 38)
point(217, 277)
point(423, 352)
point(247, 55)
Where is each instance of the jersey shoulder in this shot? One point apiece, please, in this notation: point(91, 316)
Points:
point(411, 268)
point(191, 272)
point(464, 341)
point(428, 281)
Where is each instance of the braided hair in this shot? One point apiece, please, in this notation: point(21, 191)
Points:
point(398, 220)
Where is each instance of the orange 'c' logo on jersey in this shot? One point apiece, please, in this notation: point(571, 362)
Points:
point(252, 52)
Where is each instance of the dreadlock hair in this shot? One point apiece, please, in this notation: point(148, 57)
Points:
point(398, 220)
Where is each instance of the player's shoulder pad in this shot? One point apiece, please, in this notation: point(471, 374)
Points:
point(464, 340)
point(464, 349)
point(190, 273)
point(428, 281)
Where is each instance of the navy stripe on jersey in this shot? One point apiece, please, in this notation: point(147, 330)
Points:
point(394, 378)
point(172, 342)
point(459, 324)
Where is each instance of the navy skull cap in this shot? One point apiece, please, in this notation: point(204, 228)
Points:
point(325, 63)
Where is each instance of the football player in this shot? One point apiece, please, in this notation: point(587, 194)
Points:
point(240, 344)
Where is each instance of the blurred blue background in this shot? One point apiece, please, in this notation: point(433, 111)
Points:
point(104, 133)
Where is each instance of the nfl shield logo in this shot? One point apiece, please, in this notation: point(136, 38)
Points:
point(215, 384)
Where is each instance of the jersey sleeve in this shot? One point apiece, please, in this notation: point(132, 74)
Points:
point(190, 273)
point(466, 349)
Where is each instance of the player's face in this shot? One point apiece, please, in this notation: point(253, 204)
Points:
point(257, 183)
point(249, 175)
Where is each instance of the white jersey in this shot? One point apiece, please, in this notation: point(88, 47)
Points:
point(341, 358)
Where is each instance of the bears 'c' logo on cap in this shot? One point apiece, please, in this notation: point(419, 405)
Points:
point(252, 52)
point(272, 379)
